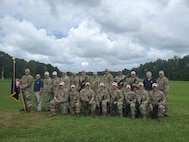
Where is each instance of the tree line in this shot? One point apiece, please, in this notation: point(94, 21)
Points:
point(175, 68)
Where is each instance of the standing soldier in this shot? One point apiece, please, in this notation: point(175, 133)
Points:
point(60, 100)
point(142, 100)
point(116, 102)
point(163, 85)
point(83, 79)
point(47, 87)
point(133, 81)
point(148, 81)
point(157, 102)
point(95, 82)
point(74, 101)
point(65, 78)
point(74, 80)
point(108, 80)
point(38, 87)
point(129, 102)
point(87, 100)
point(102, 99)
point(26, 84)
point(55, 83)
point(121, 80)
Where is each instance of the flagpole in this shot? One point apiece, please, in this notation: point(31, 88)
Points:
point(14, 81)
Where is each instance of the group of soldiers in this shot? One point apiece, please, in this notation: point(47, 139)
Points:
point(122, 95)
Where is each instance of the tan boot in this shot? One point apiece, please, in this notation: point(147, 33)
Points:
point(53, 114)
point(104, 115)
point(133, 117)
point(77, 114)
point(160, 119)
point(144, 117)
point(121, 115)
point(92, 114)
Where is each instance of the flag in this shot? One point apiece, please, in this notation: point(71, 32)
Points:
point(15, 85)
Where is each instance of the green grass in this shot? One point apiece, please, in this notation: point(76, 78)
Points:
point(16, 126)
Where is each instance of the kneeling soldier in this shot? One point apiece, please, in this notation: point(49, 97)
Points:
point(116, 102)
point(129, 102)
point(102, 99)
point(87, 100)
point(74, 101)
point(60, 100)
point(142, 100)
point(157, 102)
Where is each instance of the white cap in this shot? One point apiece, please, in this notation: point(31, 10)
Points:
point(133, 72)
point(114, 84)
point(72, 86)
point(154, 85)
point(141, 84)
point(61, 83)
point(27, 70)
point(95, 73)
point(161, 72)
point(128, 86)
point(46, 73)
point(54, 73)
point(101, 84)
point(87, 83)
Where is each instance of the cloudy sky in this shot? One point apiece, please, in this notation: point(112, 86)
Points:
point(94, 34)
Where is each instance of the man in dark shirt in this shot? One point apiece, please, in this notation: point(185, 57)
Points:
point(38, 86)
point(148, 81)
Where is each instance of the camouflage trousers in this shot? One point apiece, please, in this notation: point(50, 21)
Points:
point(27, 98)
point(74, 108)
point(160, 110)
point(119, 108)
point(63, 107)
point(133, 109)
point(143, 109)
point(48, 98)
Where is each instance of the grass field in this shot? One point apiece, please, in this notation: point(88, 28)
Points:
point(16, 126)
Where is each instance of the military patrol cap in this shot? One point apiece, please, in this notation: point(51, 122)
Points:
point(154, 85)
point(114, 84)
point(161, 72)
point(128, 86)
point(54, 73)
point(46, 73)
point(61, 83)
point(133, 72)
point(27, 70)
point(101, 84)
point(72, 86)
point(141, 84)
point(87, 83)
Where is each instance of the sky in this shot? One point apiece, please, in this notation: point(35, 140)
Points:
point(92, 35)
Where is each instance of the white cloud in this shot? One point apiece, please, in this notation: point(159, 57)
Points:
point(94, 35)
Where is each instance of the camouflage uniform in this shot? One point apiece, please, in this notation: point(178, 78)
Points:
point(95, 84)
point(116, 95)
point(133, 80)
point(88, 94)
point(108, 80)
point(74, 98)
point(66, 80)
point(82, 80)
point(62, 95)
point(55, 86)
point(26, 84)
point(102, 98)
point(74, 80)
point(142, 98)
point(122, 81)
point(163, 85)
point(157, 97)
point(130, 100)
point(47, 87)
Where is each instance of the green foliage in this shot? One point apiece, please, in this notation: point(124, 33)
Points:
point(19, 126)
